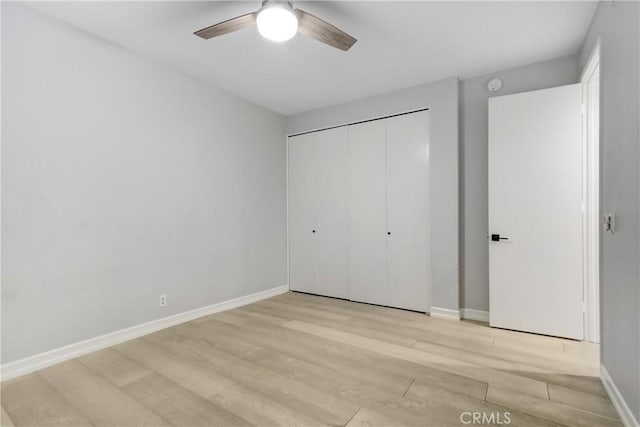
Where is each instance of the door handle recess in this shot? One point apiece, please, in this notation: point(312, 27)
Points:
point(497, 238)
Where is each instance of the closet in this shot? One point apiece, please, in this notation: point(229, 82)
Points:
point(359, 212)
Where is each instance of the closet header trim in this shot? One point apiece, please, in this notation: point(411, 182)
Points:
point(357, 123)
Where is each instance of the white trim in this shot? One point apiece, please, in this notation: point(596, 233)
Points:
point(58, 355)
point(616, 398)
point(286, 184)
point(370, 119)
point(591, 196)
point(444, 313)
point(593, 61)
point(471, 314)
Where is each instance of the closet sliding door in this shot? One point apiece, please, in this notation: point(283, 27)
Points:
point(331, 195)
point(408, 254)
point(367, 213)
point(318, 212)
point(359, 212)
point(302, 213)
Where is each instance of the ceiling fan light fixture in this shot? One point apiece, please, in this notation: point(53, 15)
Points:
point(277, 22)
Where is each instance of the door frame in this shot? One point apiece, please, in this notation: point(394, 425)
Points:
point(591, 194)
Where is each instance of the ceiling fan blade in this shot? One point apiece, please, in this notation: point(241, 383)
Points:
point(316, 28)
point(228, 26)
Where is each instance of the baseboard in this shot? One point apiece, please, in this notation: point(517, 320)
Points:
point(58, 355)
point(471, 314)
point(445, 313)
point(627, 417)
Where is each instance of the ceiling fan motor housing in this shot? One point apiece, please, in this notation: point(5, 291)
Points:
point(277, 3)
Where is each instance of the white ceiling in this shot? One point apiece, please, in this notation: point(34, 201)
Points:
point(400, 44)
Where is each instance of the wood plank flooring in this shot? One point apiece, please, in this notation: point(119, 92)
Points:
point(303, 360)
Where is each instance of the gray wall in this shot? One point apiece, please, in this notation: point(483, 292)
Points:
point(442, 98)
point(474, 253)
point(122, 180)
point(618, 26)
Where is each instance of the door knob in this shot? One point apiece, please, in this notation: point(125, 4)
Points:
point(497, 238)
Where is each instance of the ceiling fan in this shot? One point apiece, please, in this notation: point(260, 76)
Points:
point(277, 20)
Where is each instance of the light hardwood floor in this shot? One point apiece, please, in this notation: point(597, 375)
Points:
point(304, 360)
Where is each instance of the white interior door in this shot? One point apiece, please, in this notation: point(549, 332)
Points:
point(408, 255)
point(302, 213)
point(367, 213)
point(332, 204)
point(535, 200)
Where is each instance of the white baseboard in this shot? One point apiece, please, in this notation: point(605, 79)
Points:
point(627, 417)
point(58, 355)
point(471, 314)
point(445, 313)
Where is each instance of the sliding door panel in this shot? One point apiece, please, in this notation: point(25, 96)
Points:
point(302, 213)
point(367, 206)
point(408, 255)
point(332, 154)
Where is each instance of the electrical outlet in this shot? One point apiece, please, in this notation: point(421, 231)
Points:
point(163, 300)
